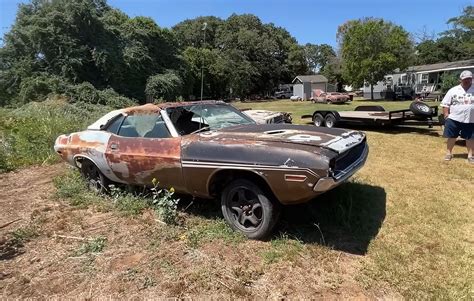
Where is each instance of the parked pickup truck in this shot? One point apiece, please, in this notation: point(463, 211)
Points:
point(212, 150)
point(286, 94)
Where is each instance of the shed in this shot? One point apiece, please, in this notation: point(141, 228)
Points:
point(303, 85)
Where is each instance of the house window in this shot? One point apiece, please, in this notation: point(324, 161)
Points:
point(424, 78)
point(404, 79)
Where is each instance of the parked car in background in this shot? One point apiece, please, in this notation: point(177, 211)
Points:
point(296, 98)
point(211, 150)
point(283, 94)
point(267, 117)
point(331, 97)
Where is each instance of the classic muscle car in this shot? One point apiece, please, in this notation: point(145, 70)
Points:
point(210, 149)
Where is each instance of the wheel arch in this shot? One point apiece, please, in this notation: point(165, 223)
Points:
point(79, 158)
point(220, 178)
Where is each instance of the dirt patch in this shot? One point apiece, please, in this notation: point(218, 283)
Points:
point(26, 190)
point(139, 256)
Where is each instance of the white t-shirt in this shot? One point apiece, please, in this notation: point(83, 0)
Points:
point(460, 104)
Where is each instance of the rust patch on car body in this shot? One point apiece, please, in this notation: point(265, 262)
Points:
point(291, 159)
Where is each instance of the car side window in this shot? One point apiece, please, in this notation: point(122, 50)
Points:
point(115, 124)
point(145, 126)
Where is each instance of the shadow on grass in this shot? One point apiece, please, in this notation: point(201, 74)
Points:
point(210, 209)
point(346, 218)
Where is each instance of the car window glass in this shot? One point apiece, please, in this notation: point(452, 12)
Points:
point(114, 126)
point(144, 125)
point(209, 116)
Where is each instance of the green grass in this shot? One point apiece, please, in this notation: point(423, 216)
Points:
point(25, 234)
point(72, 188)
point(211, 230)
point(282, 248)
point(95, 245)
point(299, 108)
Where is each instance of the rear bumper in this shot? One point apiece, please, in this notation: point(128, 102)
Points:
point(328, 183)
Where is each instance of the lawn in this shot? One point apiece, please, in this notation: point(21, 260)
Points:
point(299, 108)
point(400, 228)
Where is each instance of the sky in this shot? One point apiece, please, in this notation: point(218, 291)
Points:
point(313, 22)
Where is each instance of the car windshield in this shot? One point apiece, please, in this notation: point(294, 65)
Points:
point(195, 118)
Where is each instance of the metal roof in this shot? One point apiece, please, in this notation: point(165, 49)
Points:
point(442, 66)
point(311, 79)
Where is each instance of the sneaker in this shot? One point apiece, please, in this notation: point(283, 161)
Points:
point(448, 157)
point(470, 160)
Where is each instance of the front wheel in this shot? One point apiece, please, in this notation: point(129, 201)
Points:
point(248, 209)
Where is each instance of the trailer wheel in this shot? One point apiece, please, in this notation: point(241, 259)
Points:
point(420, 108)
point(330, 120)
point(318, 119)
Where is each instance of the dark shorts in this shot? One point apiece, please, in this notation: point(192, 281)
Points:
point(454, 129)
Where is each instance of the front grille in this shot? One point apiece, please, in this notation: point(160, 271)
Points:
point(348, 158)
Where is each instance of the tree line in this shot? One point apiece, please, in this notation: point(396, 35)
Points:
point(92, 52)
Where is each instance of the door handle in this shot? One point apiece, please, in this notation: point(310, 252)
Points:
point(113, 146)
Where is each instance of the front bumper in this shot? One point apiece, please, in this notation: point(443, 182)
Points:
point(328, 183)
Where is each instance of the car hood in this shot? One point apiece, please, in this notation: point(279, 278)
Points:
point(337, 140)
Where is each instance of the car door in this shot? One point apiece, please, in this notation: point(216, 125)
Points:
point(143, 149)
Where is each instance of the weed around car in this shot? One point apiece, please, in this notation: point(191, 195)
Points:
point(73, 188)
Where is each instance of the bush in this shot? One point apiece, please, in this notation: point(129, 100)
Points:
point(449, 80)
point(38, 87)
point(115, 100)
point(84, 92)
point(28, 133)
point(165, 86)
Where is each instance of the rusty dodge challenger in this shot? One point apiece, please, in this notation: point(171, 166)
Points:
point(210, 149)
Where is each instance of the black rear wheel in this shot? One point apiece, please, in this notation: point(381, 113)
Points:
point(318, 119)
point(248, 209)
point(330, 120)
point(96, 181)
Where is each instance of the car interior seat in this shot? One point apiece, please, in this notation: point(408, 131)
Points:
point(158, 131)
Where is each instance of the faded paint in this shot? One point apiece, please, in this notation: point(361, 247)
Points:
point(139, 160)
point(291, 159)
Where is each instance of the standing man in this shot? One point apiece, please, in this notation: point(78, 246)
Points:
point(458, 111)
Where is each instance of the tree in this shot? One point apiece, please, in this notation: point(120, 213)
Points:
point(241, 55)
point(318, 56)
point(372, 48)
point(166, 86)
point(463, 30)
point(452, 45)
point(333, 72)
point(83, 41)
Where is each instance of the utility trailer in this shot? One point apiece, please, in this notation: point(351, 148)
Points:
point(419, 113)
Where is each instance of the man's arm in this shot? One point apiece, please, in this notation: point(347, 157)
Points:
point(446, 103)
point(446, 112)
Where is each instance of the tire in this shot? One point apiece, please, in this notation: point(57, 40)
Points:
point(318, 120)
point(419, 108)
point(96, 181)
point(330, 120)
point(249, 210)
